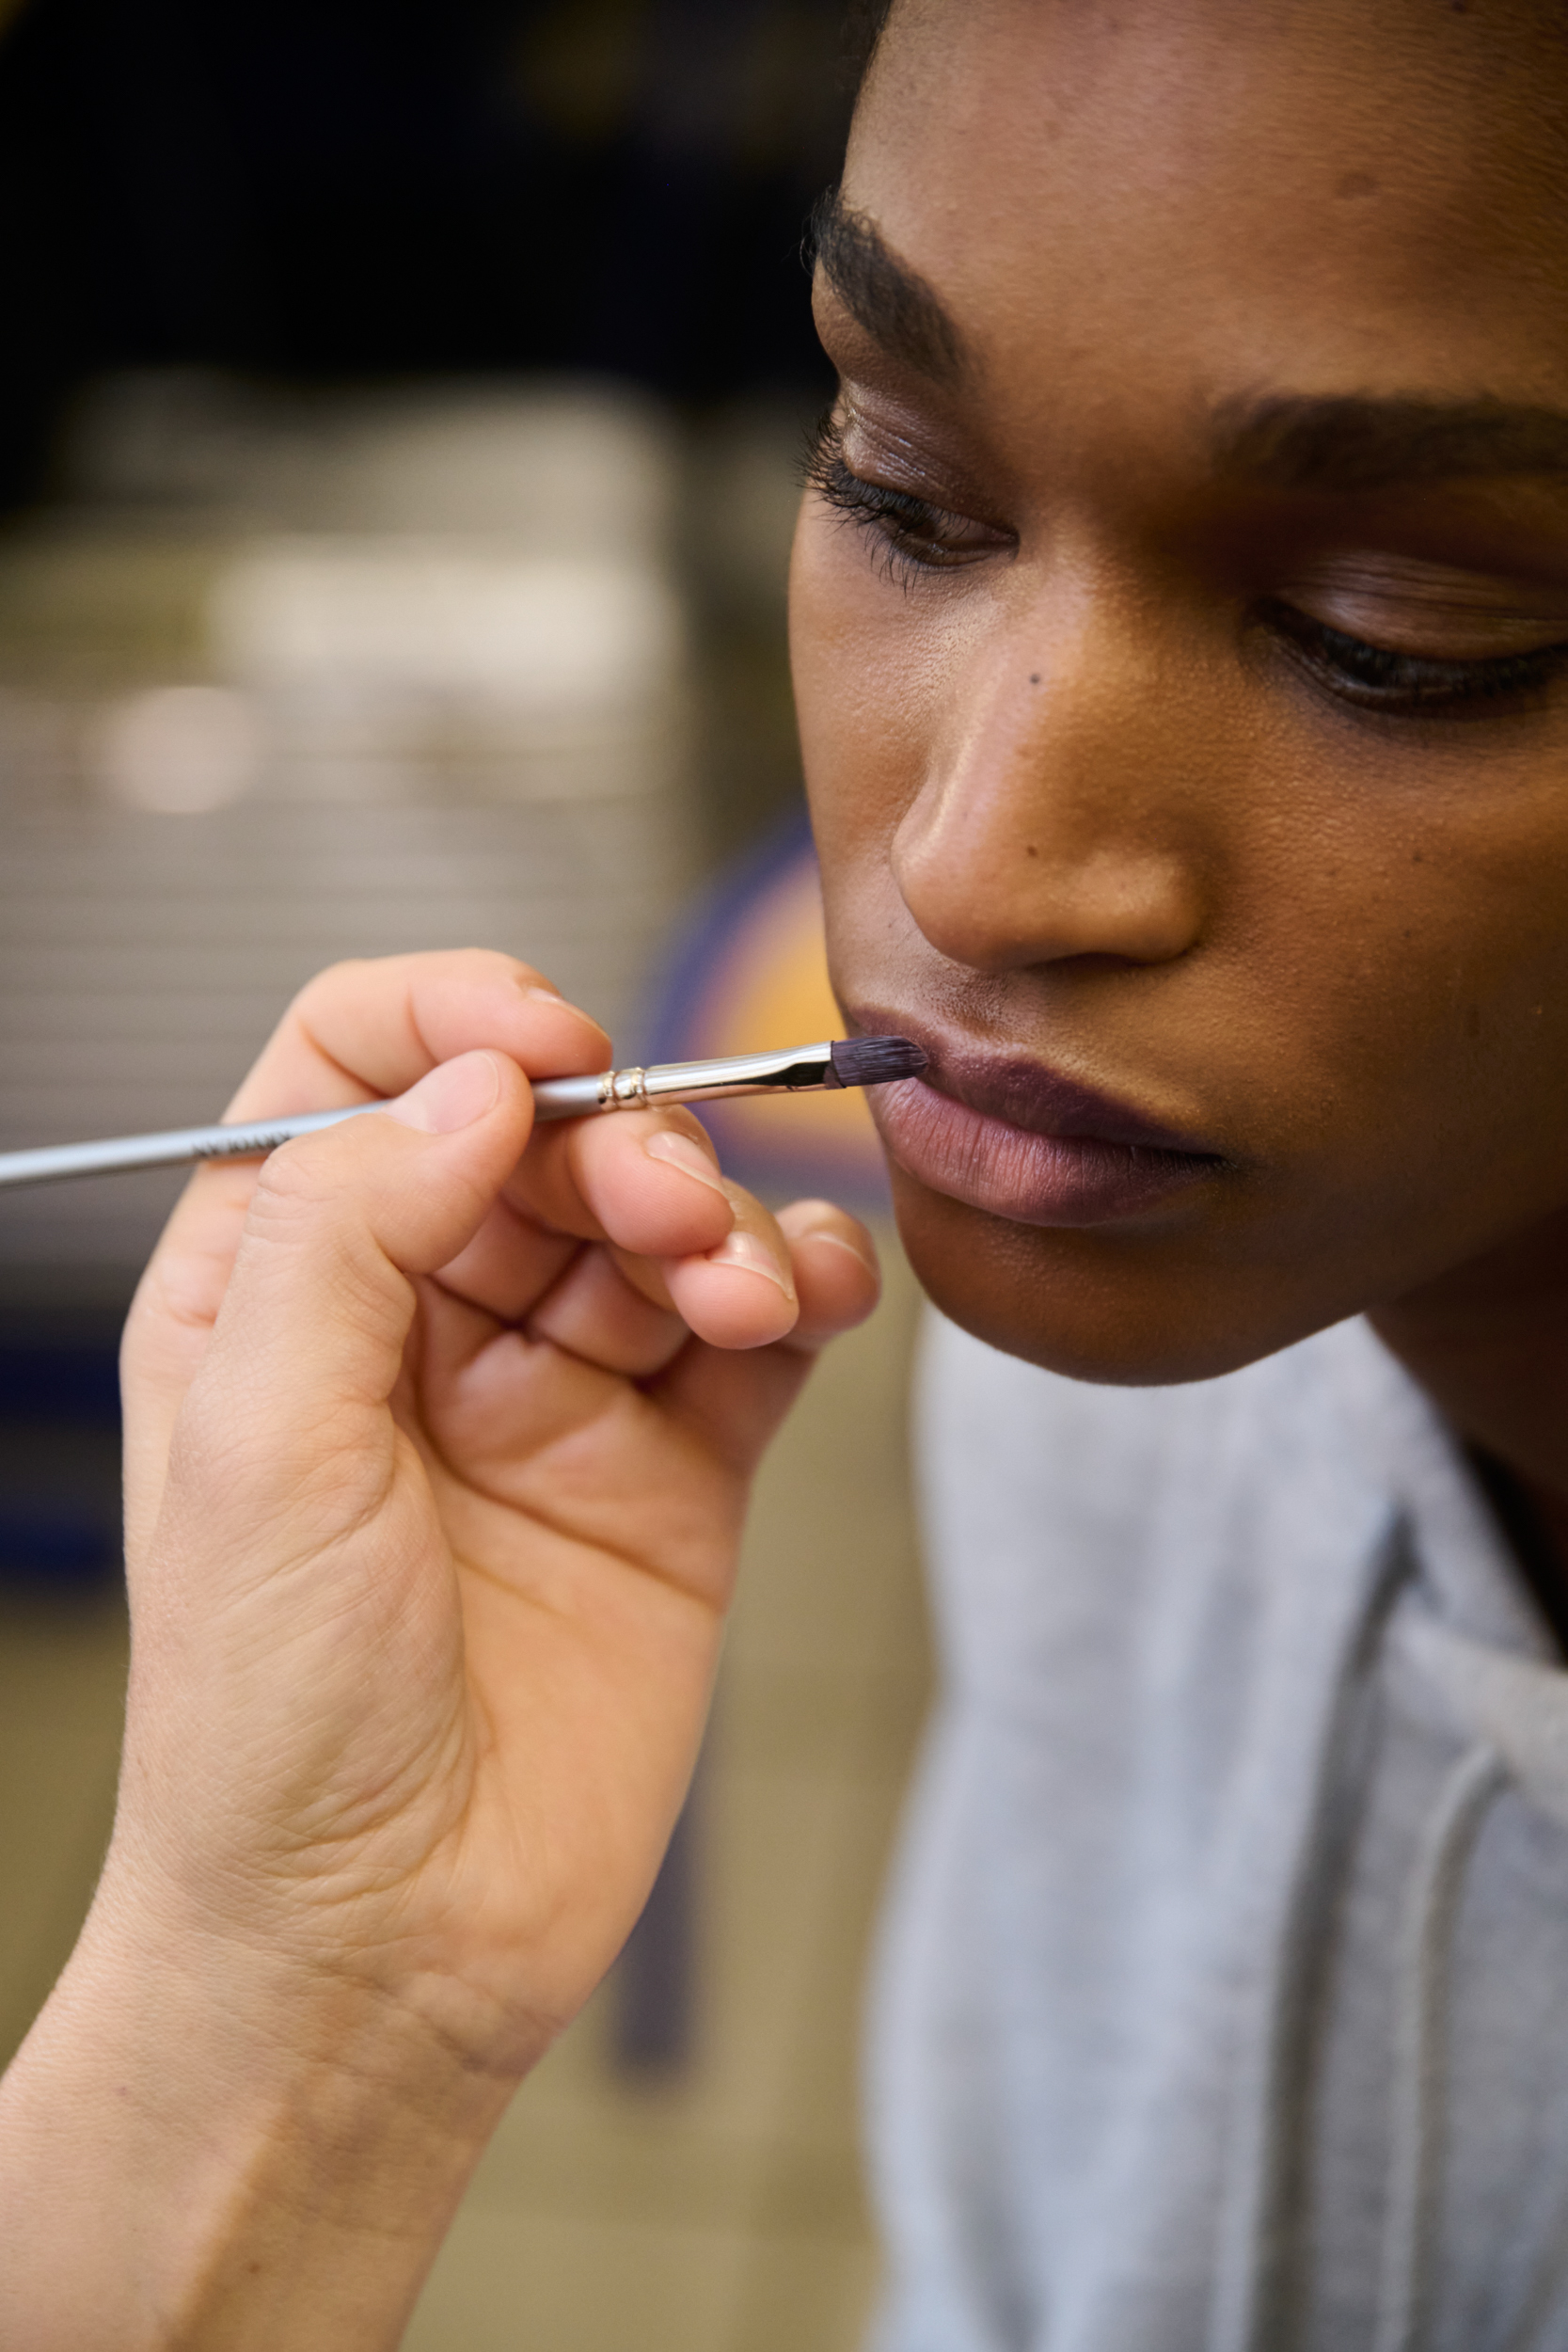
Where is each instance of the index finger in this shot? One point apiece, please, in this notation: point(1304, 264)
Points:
point(365, 1030)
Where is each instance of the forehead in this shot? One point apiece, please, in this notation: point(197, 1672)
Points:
point(1325, 196)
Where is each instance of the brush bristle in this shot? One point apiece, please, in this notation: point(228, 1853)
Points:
point(876, 1062)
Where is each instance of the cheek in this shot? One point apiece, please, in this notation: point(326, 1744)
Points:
point(1469, 1020)
point(1433, 927)
point(868, 676)
point(1382, 1018)
point(872, 674)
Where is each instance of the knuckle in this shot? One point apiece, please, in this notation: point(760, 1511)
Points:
point(293, 1180)
point(329, 983)
point(300, 1208)
point(178, 1291)
point(306, 1199)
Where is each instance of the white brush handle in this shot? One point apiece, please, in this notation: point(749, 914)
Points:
point(800, 1070)
point(181, 1144)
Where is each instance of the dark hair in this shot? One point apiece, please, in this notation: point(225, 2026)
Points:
point(864, 24)
point(860, 27)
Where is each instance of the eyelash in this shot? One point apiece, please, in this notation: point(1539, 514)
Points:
point(1372, 678)
point(909, 528)
point(1407, 684)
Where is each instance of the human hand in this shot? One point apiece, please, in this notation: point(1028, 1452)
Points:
point(437, 1441)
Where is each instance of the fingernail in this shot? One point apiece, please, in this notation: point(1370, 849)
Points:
point(842, 1241)
point(451, 1097)
point(744, 1250)
point(681, 1151)
point(544, 995)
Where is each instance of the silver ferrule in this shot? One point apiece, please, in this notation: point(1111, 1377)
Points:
point(798, 1070)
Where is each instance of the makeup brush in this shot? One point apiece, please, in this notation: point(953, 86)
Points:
point(857, 1061)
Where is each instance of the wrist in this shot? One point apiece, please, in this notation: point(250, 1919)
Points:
point(206, 2143)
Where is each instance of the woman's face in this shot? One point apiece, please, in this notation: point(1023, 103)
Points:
point(1181, 635)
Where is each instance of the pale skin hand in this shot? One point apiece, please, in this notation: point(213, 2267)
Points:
point(436, 1458)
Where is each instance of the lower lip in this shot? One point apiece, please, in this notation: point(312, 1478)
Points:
point(1031, 1179)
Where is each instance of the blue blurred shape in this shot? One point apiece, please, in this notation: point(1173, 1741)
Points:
point(75, 1381)
point(57, 1551)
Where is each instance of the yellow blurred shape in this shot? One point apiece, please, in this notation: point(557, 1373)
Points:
point(769, 988)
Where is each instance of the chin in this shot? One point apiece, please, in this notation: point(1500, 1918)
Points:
point(1125, 1309)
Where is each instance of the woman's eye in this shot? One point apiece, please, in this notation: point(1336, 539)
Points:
point(913, 535)
point(1376, 678)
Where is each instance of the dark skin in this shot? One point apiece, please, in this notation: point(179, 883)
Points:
point(1179, 621)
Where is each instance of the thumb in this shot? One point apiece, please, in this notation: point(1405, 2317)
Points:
point(290, 1395)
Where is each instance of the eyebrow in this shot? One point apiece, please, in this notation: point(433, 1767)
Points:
point(1359, 442)
point(882, 294)
point(1337, 442)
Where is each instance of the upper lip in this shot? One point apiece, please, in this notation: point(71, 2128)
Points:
point(1025, 1093)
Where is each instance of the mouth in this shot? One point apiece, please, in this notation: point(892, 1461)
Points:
point(1017, 1139)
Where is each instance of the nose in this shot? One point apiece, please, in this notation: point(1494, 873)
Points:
point(1056, 818)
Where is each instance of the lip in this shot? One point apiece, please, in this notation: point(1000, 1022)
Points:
point(1019, 1141)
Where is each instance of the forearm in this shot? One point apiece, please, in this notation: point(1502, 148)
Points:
point(197, 2150)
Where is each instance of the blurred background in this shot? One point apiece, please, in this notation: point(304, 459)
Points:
point(398, 414)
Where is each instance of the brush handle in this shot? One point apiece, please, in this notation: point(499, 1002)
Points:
point(173, 1150)
point(802, 1069)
